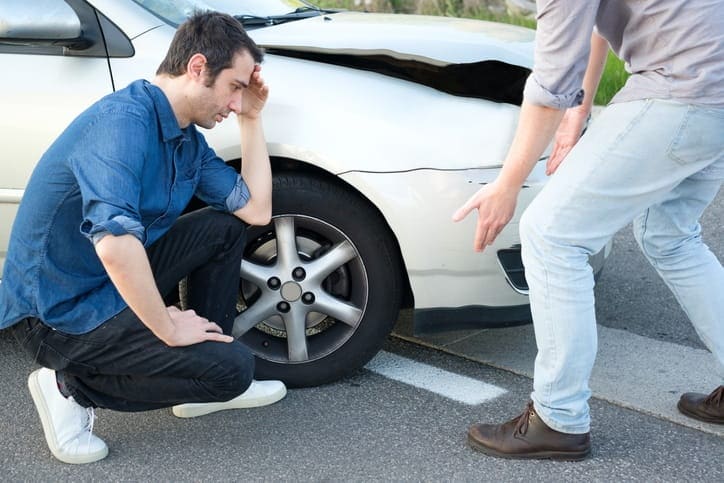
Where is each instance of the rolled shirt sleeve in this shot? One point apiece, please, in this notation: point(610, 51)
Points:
point(117, 226)
point(220, 186)
point(239, 195)
point(562, 47)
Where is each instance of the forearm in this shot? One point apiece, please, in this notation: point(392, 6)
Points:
point(594, 71)
point(536, 127)
point(126, 262)
point(256, 171)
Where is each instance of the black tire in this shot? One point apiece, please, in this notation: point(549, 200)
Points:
point(365, 289)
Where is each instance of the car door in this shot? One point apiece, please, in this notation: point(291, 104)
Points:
point(54, 58)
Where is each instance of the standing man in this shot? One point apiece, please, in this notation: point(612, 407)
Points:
point(655, 156)
point(98, 243)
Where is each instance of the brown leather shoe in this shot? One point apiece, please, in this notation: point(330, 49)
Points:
point(527, 436)
point(705, 408)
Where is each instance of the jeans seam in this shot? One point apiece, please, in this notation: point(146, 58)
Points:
point(644, 249)
point(677, 138)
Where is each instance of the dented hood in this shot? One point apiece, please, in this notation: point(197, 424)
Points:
point(437, 41)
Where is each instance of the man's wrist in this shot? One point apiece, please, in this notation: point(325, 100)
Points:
point(246, 117)
point(508, 183)
point(165, 331)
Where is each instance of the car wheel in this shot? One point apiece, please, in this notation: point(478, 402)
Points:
point(320, 285)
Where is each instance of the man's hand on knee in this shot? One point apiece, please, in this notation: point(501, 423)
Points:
point(190, 328)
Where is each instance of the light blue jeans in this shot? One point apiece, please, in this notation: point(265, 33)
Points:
point(658, 164)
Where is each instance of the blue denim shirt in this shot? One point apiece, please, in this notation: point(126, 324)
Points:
point(124, 166)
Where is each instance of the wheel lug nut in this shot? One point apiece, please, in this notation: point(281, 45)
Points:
point(308, 298)
point(283, 307)
point(274, 283)
point(298, 274)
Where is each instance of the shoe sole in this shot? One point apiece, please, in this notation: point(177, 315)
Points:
point(37, 394)
point(539, 455)
point(194, 410)
point(698, 417)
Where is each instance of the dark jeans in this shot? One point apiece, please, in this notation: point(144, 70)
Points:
point(121, 365)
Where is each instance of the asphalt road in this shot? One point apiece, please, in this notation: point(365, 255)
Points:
point(374, 427)
point(366, 427)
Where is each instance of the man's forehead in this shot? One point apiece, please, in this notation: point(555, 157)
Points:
point(242, 66)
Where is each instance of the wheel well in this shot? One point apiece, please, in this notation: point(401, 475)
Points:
point(280, 164)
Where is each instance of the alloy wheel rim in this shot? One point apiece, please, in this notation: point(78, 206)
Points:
point(304, 290)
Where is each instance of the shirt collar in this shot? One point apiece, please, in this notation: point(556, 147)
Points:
point(166, 118)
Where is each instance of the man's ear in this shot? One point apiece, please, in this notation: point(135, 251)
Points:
point(196, 66)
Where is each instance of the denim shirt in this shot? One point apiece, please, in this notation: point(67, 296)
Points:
point(124, 166)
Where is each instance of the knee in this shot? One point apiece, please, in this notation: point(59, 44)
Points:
point(227, 223)
point(531, 235)
point(664, 248)
point(547, 242)
point(236, 374)
point(526, 226)
point(230, 232)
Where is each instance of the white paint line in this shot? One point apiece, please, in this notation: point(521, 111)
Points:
point(450, 385)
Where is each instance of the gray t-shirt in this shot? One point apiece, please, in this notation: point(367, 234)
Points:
point(674, 49)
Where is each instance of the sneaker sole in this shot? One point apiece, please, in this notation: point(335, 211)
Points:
point(194, 410)
point(37, 394)
point(539, 455)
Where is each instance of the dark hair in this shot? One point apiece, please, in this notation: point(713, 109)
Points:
point(218, 36)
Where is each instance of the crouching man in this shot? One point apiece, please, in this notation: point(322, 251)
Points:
point(99, 242)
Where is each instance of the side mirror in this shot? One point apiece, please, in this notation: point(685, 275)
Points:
point(41, 22)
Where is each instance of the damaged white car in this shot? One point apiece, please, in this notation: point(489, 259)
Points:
point(378, 127)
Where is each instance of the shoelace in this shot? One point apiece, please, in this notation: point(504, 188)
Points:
point(715, 398)
point(521, 426)
point(90, 421)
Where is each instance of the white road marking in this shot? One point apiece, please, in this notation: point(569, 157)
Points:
point(450, 385)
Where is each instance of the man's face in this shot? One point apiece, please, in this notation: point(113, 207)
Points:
point(213, 104)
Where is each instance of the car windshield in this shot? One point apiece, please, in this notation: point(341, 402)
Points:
point(176, 12)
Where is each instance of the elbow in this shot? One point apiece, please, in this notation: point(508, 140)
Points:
point(261, 218)
point(255, 213)
point(107, 251)
point(113, 250)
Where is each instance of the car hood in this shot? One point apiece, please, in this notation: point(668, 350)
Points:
point(439, 41)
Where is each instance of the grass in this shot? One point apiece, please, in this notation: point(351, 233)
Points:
point(613, 78)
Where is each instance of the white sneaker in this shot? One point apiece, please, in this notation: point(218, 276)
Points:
point(259, 393)
point(67, 425)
